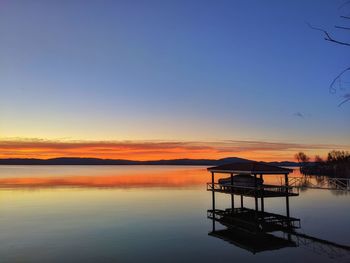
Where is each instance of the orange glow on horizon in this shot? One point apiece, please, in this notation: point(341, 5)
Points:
point(157, 150)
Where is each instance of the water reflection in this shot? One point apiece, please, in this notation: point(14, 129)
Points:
point(264, 235)
point(148, 213)
point(113, 178)
point(252, 242)
point(34, 177)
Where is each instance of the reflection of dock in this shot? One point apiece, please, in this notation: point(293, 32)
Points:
point(321, 246)
point(256, 242)
point(252, 242)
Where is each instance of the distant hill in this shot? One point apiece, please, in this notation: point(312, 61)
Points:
point(97, 161)
point(285, 163)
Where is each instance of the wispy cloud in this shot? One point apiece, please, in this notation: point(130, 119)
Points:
point(299, 114)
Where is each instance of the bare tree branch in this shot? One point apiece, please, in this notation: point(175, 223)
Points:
point(336, 41)
point(331, 87)
point(344, 4)
point(342, 27)
point(346, 97)
point(319, 29)
point(328, 36)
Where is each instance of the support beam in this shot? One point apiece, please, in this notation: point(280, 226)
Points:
point(287, 194)
point(255, 195)
point(213, 199)
point(262, 196)
point(232, 195)
point(241, 201)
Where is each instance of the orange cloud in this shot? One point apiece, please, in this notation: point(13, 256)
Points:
point(154, 150)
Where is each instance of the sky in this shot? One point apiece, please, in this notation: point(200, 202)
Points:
point(172, 79)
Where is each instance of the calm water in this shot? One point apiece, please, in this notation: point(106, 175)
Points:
point(143, 213)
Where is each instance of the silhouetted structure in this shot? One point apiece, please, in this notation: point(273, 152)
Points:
point(253, 242)
point(254, 190)
point(251, 229)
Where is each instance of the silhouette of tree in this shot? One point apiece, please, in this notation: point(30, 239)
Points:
point(302, 158)
point(338, 156)
point(318, 159)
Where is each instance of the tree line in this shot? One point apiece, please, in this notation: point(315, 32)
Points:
point(336, 164)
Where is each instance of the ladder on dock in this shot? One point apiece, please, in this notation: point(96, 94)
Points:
point(323, 182)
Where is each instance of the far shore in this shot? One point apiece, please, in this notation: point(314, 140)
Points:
point(98, 161)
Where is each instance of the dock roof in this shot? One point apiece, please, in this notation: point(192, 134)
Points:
point(250, 167)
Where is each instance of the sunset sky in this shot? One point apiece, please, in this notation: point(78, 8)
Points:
point(171, 79)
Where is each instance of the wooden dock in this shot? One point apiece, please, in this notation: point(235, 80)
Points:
point(321, 182)
point(252, 220)
point(263, 191)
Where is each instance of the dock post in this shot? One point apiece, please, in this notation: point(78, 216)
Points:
point(241, 201)
point(232, 195)
point(287, 193)
point(256, 197)
point(262, 196)
point(213, 198)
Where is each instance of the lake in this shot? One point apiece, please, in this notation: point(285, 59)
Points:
point(146, 213)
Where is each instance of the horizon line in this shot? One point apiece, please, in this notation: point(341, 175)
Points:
point(159, 150)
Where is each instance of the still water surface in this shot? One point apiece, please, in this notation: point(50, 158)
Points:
point(144, 213)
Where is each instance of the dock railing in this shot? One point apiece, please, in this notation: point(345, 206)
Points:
point(251, 190)
point(320, 182)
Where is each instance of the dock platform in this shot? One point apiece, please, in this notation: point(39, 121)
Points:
point(252, 220)
point(263, 191)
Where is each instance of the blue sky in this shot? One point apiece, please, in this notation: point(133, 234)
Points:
point(172, 70)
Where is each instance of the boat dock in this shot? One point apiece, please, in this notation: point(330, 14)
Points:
point(259, 191)
point(248, 219)
point(254, 229)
